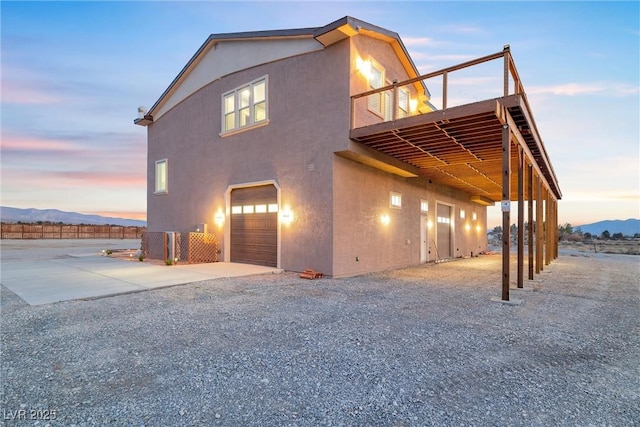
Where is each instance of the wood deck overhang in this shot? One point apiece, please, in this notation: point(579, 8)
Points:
point(461, 147)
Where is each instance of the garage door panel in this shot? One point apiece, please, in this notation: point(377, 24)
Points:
point(443, 231)
point(254, 234)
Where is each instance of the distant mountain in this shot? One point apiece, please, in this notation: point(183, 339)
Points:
point(8, 214)
point(627, 227)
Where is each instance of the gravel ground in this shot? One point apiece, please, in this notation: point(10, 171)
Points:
point(411, 347)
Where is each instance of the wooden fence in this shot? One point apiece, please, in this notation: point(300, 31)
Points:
point(60, 231)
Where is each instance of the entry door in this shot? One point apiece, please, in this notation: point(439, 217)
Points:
point(443, 231)
point(424, 239)
point(254, 225)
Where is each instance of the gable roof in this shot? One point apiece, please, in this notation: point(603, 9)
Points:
point(327, 35)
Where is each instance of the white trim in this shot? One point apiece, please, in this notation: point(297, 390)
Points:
point(424, 233)
point(395, 195)
point(227, 224)
point(165, 190)
point(377, 97)
point(424, 203)
point(251, 106)
point(244, 129)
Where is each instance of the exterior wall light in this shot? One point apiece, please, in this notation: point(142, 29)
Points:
point(219, 218)
point(413, 105)
point(467, 227)
point(364, 67)
point(286, 216)
point(429, 224)
point(478, 228)
point(385, 220)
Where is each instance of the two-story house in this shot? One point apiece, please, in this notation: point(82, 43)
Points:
point(264, 140)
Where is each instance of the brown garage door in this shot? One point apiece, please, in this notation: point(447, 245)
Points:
point(254, 225)
point(444, 231)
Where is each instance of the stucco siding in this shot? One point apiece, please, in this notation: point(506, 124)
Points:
point(362, 243)
point(308, 120)
point(229, 56)
point(337, 204)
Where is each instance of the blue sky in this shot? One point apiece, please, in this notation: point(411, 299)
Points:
point(74, 73)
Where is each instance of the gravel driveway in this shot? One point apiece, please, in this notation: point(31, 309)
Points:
point(412, 347)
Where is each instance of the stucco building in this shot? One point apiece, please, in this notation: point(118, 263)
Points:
point(265, 140)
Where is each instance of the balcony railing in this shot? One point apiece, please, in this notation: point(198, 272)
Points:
point(423, 94)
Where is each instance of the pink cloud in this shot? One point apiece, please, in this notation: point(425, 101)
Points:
point(121, 214)
point(14, 178)
point(25, 143)
point(28, 95)
point(575, 89)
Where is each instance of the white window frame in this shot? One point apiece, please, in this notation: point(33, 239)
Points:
point(395, 200)
point(376, 102)
point(252, 104)
point(403, 110)
point(161, 189)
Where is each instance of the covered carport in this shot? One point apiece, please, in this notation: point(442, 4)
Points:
point(490, 149)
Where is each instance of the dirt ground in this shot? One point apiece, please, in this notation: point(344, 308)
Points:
point(417, 346)
point(622, 247)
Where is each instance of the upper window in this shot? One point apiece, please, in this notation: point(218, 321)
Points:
point(245, 106)
point(161, 176)
point(376, 80)
point(424, 205)
point(403, 103)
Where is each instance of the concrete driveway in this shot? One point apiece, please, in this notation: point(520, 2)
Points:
point(43, 272)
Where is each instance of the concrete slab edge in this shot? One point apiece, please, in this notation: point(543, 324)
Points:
point(512, 301)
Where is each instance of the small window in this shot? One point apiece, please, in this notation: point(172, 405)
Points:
point(403, 103)
point(376, 80)
point(247, 209)
point(474, 216)
point(261, 208)
point(161, 177)
point(273, 208)
point(245, 106)
point(395, 200)
point(463, 214)
point(235, 210)
point(424, 205)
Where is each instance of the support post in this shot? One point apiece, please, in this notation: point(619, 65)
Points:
point(549, 229)
point(507, 59)
point(530, 219)
point(539, 226)
point(445, 85)
point(506, 208)
point(555, 221)
point(394, 112)
point(520, 218)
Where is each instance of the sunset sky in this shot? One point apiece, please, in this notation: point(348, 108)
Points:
point(74, 73)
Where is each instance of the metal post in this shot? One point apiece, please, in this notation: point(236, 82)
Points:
point(445, 84)
point(506, 208)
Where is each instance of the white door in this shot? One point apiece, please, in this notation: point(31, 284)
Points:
point(424, 239)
